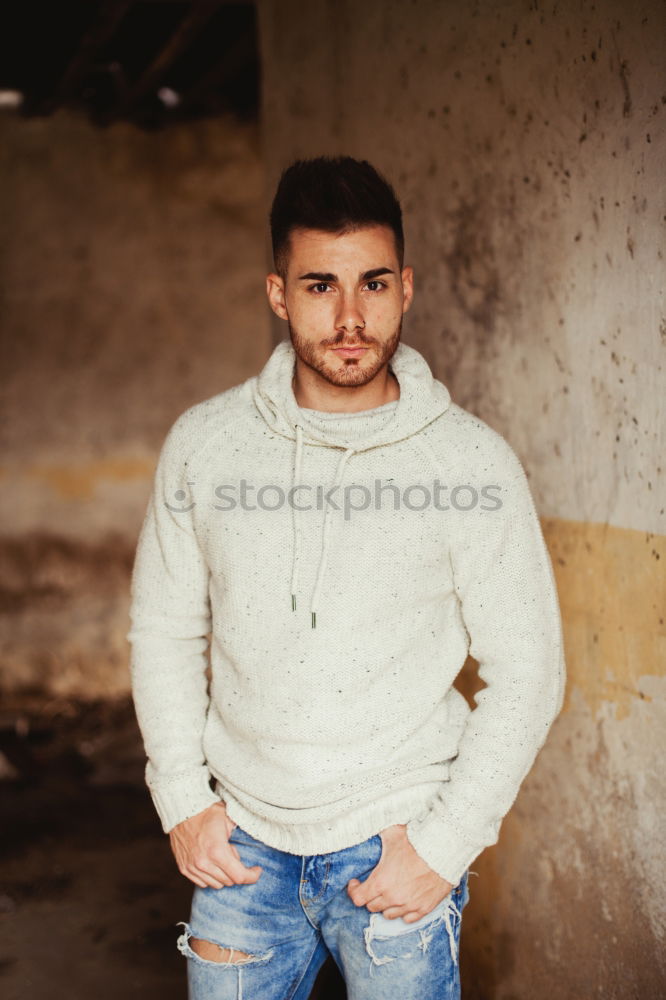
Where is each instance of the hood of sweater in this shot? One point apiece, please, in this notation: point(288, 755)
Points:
point(422, 399)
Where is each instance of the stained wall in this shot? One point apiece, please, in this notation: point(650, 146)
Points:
point(132, 277)
point(527, 143)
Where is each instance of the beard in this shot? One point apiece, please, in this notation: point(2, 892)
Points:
point(347, 371)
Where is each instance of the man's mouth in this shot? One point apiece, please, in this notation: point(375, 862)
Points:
point(353, 351)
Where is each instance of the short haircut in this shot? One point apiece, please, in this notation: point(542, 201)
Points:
point(336, 194)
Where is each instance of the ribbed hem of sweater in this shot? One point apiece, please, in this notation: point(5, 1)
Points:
point(183, 797)
point(449, 852)
point(339, 833)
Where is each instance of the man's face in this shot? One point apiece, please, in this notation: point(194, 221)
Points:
point(343, 298)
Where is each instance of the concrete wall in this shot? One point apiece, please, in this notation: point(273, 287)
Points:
point(527, 143)
point(132, 272)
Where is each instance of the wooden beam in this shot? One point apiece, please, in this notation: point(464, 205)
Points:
point(223, 3)
point(200, 12)
point(109, 16)
point(244, 49)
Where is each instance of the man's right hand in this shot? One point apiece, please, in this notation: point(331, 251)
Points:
point(203, 853)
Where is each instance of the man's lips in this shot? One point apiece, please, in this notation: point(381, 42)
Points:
point(350, 352)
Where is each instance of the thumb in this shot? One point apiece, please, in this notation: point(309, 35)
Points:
point(256, 871)
point(358, 891)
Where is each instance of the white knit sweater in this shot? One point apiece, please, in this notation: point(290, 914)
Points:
point(336, 630)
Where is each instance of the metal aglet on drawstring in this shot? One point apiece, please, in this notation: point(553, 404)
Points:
point(313, 613)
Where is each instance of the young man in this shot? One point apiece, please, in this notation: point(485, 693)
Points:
point(347, 535)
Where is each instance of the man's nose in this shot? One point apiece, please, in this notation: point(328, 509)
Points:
point(350, 314)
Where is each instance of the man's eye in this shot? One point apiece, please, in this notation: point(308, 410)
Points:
point(375, 285)
point(320, 287)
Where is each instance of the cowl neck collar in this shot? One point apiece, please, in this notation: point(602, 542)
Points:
point(422, 399)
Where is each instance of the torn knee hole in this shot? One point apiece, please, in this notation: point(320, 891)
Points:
point(212, 952)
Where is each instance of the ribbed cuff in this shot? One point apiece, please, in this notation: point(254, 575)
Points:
point(447, 851)
point(182, 796)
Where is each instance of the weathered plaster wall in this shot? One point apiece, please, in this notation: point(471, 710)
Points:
point(132, 275)
point(527, 143)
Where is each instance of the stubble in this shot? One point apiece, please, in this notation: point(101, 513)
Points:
point(348, 371)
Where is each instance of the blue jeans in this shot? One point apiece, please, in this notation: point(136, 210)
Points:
point(299, 912)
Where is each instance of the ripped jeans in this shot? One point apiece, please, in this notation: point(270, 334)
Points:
point(298, 913)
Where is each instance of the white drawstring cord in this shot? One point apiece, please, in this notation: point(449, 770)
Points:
point(324, 548)
point(297, 534)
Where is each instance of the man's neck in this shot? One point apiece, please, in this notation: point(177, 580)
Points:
point(315, 393)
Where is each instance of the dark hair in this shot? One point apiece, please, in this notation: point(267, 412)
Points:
point(336, 194)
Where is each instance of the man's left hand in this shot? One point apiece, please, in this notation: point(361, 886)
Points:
point(402, 884)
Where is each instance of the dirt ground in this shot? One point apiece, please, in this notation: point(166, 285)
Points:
point(89, 893)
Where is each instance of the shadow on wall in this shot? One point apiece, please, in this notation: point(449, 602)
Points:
point(86, 872)
point(67, 602)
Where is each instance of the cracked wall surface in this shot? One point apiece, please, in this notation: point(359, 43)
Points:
point(527, 143)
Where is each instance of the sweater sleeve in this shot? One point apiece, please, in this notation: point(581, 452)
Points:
point(504, 582)
point(170, 623)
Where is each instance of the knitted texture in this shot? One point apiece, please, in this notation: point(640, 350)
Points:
point(306, 590)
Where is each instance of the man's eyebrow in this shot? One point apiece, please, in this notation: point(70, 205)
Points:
point(376, 272)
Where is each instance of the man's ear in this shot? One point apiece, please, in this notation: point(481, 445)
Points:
point(275, 293)
point(407, 287)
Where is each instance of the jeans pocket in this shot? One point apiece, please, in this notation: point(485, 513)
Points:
point(378, 844)
point(240, 836)
point(374, 851)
